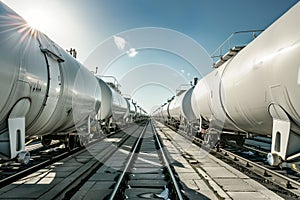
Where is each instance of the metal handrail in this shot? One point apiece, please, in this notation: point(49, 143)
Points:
point(182, 88)
point(114, 79)
point(228, 42)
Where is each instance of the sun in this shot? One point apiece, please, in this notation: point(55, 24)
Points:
point(35, 24)
point(36, 20)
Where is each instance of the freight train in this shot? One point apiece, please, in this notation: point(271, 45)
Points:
point(46, 93)
point(255, 89)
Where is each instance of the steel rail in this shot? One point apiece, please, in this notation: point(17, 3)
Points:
point(275, 177)
point(167, 164)
point(36, 167)
point(73, 187)
point(270, 175)
point(121, 177)
point(27, 171)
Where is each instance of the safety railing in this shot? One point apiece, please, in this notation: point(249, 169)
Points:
point(232, 45)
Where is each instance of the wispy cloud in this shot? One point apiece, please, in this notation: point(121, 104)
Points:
point(120, 42)
point(131, 52)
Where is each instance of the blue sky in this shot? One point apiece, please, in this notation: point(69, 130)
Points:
point(209, 22)
point(84, 24)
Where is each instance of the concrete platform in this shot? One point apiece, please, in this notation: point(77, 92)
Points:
point(209, 176)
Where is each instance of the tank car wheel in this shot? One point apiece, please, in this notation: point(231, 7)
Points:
point(72, 142)
point(273, 159)
point(106, 130)
point(211, 139)
point(66, 141)
point(222, 143)
point(46, 141)
point(83, 140)
point(23, 157)
point(98, 133)
point(240, 141)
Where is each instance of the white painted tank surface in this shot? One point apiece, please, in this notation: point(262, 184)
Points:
point(40, 85)
point(113, 104)
point(257, 90)
point(157, 114)
point(174, 108)
point(186, 106)
point(132, 108)
point(164, 112)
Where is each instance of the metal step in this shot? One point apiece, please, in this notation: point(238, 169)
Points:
point(232, 52)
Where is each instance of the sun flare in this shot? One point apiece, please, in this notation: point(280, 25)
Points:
point(37, 21)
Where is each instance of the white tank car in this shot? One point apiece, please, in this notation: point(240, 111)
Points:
point(114, 108)
point(186, 106)
point(145, 114)
point(164, 112)
point(132, 109)
point(141, 113)
point(258, 90)
point(43, 89)
point(157, 114)
point(175, 108)
point(179, 111)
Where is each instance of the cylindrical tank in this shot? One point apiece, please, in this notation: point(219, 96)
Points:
point(113, 104)
point(180, 108)
point(35, 68)
point(174, 109)
point(164, 112)
point(40, 84)
point(186, 106)
point(243, 88)
point(257, 90)
point(156, 114)
point(132, 109)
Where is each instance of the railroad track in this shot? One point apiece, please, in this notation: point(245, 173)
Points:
point(283, 178)
point(147, 171)
point(34, 148)
point(137, 168)
point(282, 181)
point(11, 170)
point(41, 157)
point(129, 164)
point(260, 144)
point(275, 179)
point(110, 163)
